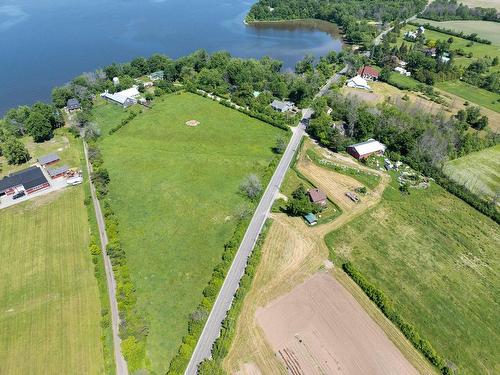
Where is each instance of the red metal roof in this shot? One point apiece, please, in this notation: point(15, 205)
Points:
point(367, 70)
point(317, 195)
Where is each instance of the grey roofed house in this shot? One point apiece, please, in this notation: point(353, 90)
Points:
point(28, 178)
point(57, 171)
point(73, 104)
point(156, 75)
point(48, 159)
point(282, 106)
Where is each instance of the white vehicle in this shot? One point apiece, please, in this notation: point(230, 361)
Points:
point(74, 181)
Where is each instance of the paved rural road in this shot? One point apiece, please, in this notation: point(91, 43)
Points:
point(223, 302)
point(121, 364)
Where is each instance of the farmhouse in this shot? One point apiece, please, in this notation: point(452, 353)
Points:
point(155, 76)
point(282, 106)
point(358, 82)
point(73, 104)
point(28, 180)
point(48, 159)
point(368, 72)
point(125, 98)
point(317, 196)
point(364, 149)
point(57, 172)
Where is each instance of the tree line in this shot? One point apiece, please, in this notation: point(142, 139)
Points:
point(449, 10)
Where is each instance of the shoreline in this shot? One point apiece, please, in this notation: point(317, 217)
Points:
point(307, 23)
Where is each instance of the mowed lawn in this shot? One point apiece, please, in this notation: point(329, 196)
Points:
point(479, 171)
point(50, 310)
point(472, 94)
point(484, 29)
point(175, 190)
point(437, 259)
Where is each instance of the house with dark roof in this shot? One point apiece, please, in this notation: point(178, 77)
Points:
point(317, 196)
point(28, 180)
point(73, 104)
point(48, 159)
point(368, 72)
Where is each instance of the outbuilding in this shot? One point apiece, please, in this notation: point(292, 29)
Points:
point(311, 219)
point(57, 172)
point(365, 149)
point(358, 82)
point(317, 196)
point(48, 159)
point(156, 76)
point(28, 180)
point(125, 98)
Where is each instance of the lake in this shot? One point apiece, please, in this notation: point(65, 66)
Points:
point(45, 43)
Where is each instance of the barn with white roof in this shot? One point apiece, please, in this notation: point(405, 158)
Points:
point(126, 98)
point(365, 149)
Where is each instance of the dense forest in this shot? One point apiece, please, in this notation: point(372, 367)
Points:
point(448, 10)
point(352, 15)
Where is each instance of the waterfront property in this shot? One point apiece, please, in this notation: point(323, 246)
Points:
point(369, 73)
point(73, 105)
point(358, 82)
point(125, 98)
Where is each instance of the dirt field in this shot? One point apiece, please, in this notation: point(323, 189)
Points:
point(292, 253)
point(319, 328)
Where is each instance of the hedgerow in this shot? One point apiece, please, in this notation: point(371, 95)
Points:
point(387, 308)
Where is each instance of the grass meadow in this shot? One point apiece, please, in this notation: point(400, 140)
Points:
point(50, 315)
point(479, 172)
point(484, 29)
point(472, 94)
point(437, 259)
point(174, 189)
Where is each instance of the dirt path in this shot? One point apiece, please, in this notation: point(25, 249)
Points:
point(291, 254)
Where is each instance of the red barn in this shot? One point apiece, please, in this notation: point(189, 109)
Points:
point(28, 180)
point(365, 149)
point(369, 73)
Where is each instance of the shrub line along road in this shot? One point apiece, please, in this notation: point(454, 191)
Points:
point(222, 304)
point(121, 364)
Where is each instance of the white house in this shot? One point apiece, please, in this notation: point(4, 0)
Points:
point(281, 106)
point(126, 98)
point(402, 71)
point(358, 82)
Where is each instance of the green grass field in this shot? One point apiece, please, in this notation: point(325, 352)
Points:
point(403, 82)
point(484, 29)
point(479, 172)
point(175, 189)
point(472, 94)
point(437, 259)
point(50, 314)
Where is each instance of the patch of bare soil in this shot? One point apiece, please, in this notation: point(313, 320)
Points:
point(192, 123)
point(319, 328)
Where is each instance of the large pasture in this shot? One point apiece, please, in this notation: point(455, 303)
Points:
point(479, 172)
point(437, 259)
point(50, 310)
point(175, 189)
point(484, 29)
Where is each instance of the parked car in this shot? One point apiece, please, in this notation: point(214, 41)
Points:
point(74, 181)
point(19, 195)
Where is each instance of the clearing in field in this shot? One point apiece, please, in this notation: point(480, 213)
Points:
point(50, 318)
point(436, 258)
point(479, 172)
point(485, 29)
point(175, 190)
point(319, 328)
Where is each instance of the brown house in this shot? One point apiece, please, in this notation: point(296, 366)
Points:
point(317, 196)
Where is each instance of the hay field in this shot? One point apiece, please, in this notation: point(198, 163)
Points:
point(50, 310)
point(479, 172)
point(485, 29)
point(175, 191)
point(437, 259)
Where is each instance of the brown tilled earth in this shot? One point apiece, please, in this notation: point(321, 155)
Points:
point(291, 254)
point(319, 328)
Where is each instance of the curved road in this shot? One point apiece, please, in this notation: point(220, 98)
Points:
point(121, 364)
point(224, 299)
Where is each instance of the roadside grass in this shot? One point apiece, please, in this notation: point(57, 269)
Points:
point(479, 172)
point(50, 302)
point(60, 145)
point(436, 258)
point(472, 94)
point(175, 191)
point(485, 29)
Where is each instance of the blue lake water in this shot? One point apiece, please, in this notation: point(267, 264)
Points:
point(45, 43)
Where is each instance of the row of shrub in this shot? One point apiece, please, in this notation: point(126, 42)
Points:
point(487, 208)
point(197, 318)
point(133, 327)
point(222, 345)
point(124, 122)
point(278, 121)
point(472, 37)
point(385, 305)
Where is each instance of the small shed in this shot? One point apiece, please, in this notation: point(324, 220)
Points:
point(73, 104)
point(311, 219)
point(48, 159)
